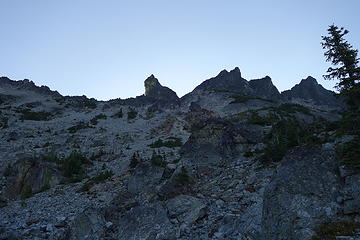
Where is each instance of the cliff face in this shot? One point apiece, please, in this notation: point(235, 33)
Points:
point(233, 159)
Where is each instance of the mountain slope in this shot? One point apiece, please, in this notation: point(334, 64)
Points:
point(218, 163)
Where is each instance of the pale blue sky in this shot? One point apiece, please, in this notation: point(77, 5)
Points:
point(106, 48)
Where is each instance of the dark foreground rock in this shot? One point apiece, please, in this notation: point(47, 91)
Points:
point(301, 195)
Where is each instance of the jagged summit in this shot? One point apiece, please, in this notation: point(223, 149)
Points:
point(309, 81)
point(309, 89)
point(226, 81)
point(26, 84)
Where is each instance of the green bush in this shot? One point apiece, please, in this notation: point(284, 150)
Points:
point(89, 103)
point(182, 177)
point(27, 114)
point(119, 114)
point(96, 156)
point(100, 178)
point(134, 160)
point(26, 192)
point(80, 125)
point(131, 114)
point(348, 124)
point(329, 230)
point(72, 165)
point(3, 122)
point(95, 119)
point(171, 142)
point(51, 157)
point(245, 98)
point(157, 160)
point(349, 154)
point(266, 120)
point(293, 108)
point(284, 135)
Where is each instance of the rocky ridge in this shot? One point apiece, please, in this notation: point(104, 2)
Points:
point(233, 159)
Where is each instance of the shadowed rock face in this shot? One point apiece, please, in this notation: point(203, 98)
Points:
point(27, 85)
point(264, 88)
point(301, 194)
point(155, 90)
point(309, 89)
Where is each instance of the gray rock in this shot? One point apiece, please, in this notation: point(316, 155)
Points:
point(145, 178)
point(186, 209)
point(147, 223)
point(88, 225)
point(301, 194)
point(351, 194)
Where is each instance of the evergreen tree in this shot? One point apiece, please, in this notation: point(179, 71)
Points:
point(345, 64)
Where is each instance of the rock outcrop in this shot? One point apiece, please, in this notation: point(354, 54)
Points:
point(301, 195)
point(154, 89)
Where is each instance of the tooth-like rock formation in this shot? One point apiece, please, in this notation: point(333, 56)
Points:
point(154, 89)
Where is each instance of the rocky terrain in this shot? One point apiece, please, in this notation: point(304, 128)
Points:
point(233, 159)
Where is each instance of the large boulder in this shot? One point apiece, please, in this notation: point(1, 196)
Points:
point(301, 194)
point(186, 209)
point(146, 223)
point(88, 225)
point(145, 178)
point(30, 175)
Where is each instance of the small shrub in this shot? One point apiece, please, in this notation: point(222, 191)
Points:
point(95, 119)
point(8, 170)
point(51, 157)
point(89, 103)
point(119, 114)
point(293, 108)
point(96, 156)
point(182, 177)
point(72, 165)
point(348, 124)
point(329, 230)
point(248, 154)
point(268, 119)
point(134, 160)
point(349, 154)
point(3, 122)
point(100, 178)
point(246, 98)
point(26, 193)
point(131, 114)
point(284, 135)
point(3, 203)
point(80, 125)
point(157, 160)
point(170, 143)
point(27, 114)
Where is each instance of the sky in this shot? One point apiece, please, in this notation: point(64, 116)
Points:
point(105, 49)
